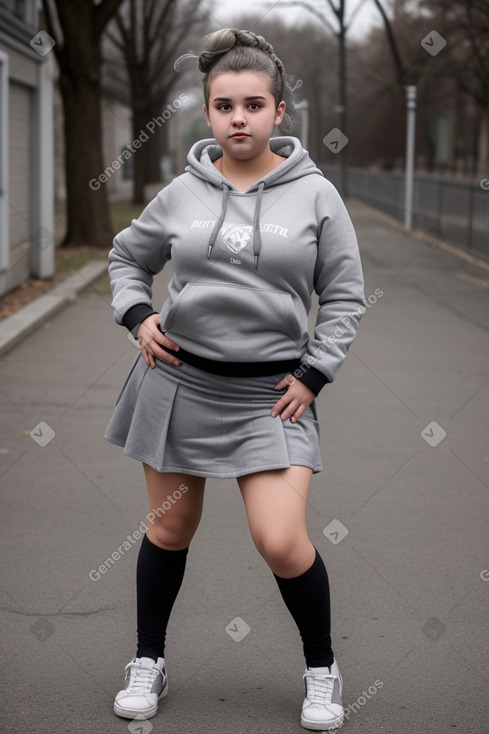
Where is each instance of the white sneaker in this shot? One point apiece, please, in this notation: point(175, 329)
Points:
point(322, 708)
point(145, 683)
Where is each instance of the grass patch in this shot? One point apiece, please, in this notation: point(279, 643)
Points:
point(122, 215)
point(71, 259)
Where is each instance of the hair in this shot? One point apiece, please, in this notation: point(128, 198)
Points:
point(230, 49)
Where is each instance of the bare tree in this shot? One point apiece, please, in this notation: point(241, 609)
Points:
point(339, 27)
point(465, 26)
point(77, 27)
point(148, 34)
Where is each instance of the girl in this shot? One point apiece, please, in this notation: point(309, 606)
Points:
point(225, 383)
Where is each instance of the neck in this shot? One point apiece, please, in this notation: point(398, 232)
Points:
point(255, 168)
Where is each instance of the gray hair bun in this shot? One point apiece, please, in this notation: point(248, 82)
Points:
point(220, 42)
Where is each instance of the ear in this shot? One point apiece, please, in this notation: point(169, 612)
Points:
point(279, 115)
point(206, 115)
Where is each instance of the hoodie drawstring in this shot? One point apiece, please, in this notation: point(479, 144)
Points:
point(256, 226)
point(219, 222)
point(256, 223)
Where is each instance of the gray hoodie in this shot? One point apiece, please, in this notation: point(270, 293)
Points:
point(246, 264)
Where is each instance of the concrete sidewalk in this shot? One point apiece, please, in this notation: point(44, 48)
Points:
point(399, 514)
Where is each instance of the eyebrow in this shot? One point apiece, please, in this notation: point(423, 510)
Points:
point(228, 99)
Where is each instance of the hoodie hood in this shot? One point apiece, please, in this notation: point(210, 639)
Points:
point(203, 154)
point(297, 164)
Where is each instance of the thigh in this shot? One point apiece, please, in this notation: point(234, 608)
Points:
point(175, 504)
point(276, 507)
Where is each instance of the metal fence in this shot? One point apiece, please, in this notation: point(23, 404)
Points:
point(452, 210)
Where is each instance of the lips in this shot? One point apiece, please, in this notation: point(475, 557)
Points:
point(240, 136)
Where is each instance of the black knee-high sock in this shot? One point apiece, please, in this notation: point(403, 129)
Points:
point(159, 576)
point(307, 599)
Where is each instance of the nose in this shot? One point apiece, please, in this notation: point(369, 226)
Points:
point(239, 118)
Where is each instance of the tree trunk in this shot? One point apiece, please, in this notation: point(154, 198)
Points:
point(483, 152)
point(87, 205)
point(154, 148)
point(77, 30)
point(140, 119)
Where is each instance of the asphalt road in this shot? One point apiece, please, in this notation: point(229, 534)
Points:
point(400, 515)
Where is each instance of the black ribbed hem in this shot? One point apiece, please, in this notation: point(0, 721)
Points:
point(314, 380)
point(235, 369)
point(136, 314)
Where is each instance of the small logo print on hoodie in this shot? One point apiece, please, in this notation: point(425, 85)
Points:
point(237, 236)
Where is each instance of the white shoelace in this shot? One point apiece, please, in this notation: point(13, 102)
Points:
point(320, 688)
point(141, 679)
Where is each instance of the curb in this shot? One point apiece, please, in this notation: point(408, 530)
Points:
point(26, 320)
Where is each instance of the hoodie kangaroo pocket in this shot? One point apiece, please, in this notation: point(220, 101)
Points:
point(233, 322)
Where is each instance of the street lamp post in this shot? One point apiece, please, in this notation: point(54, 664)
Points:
point(303, 108)
point(410, 134)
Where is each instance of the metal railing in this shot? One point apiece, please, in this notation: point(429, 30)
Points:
point(453, 210)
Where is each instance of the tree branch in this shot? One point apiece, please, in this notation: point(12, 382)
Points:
point(336, 10)
point(352, 16)
point(128, 45)
point(148, 12)
point(59, 49)
point(313, 11)
point(116, 41)
point(400, 68)
point(103, 12)
point(169, 6)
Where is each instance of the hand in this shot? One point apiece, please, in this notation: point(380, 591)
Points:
point(295, 401)
point(150, 339)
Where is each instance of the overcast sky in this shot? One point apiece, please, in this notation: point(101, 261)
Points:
point(224, 12)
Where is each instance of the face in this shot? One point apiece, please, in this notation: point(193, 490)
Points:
point(242, 113)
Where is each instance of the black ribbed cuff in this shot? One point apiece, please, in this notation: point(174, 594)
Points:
point(136, 314)
point(314, 380)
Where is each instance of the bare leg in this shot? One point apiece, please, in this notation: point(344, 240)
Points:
point(174, 526)
point(276, 503)
point(175, 507)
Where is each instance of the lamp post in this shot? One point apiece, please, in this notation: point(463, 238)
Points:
point(410, 134)
point(303, 108)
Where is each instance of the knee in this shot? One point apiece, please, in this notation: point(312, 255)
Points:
point(287, 556)
point(172, 533)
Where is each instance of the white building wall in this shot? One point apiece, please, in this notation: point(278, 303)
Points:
point(20, 155)
point(26, 168)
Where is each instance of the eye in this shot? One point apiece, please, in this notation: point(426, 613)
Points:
point(224, 107)
point(254, 106)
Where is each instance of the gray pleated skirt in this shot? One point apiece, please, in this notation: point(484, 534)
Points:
point(183, 419)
